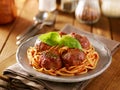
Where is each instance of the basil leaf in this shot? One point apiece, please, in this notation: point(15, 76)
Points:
point(54, 38)
point(51, 38)
point(69, 41)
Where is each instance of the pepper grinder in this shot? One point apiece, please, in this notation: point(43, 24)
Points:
point(88, 11)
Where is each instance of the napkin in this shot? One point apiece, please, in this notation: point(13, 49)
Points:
point(18, 79)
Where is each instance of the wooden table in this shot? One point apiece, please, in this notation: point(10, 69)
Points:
point(107, 27)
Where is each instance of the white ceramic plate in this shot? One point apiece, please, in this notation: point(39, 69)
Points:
point(104, 62)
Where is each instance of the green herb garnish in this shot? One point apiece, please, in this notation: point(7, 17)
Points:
point(53, 38)
point(69, 41)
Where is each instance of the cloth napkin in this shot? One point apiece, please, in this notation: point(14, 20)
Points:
point(18, 79)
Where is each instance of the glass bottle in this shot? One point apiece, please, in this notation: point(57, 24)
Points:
point(88, 11)
point(47, 5)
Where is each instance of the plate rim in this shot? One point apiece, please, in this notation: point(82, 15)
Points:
point(65, 80)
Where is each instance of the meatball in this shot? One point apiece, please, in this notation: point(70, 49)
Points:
point(50, 60)
point(82, 39)
point(41, 46)
point(62, 33)
point(73, 57)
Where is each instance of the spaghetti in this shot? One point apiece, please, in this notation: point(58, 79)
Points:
point(90, 62)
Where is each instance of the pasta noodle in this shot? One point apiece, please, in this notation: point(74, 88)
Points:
point(89, 63)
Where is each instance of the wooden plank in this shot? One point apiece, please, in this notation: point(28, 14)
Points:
point(114, 73)
point(114, 69)
point(7, 62)
point(63, 18)
point(19, 5)
point(4, 32)
point(82, 26)
point(22, 22)
point(6, 29)
point(102, 27)
point(115, 28)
